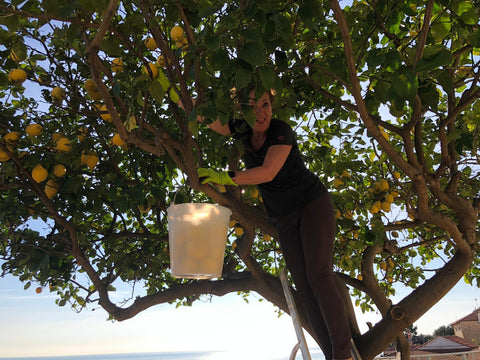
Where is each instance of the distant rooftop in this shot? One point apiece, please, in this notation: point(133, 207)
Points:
point(450, 343)
point(473, 316)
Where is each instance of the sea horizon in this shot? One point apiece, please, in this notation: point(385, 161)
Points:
point(177, 355)
point(170, 355)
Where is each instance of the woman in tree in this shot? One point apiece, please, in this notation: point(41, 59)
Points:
point(303, 210)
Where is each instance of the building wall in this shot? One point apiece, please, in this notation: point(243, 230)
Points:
point(470, 331)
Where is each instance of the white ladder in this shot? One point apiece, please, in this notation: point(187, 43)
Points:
point(302, 344)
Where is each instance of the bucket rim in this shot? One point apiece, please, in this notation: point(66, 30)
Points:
point(172, 206)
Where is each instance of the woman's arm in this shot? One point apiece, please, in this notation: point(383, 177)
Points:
point(274, 160)
point(216, 126)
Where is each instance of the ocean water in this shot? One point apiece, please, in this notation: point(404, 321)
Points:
point(198, 355)
point(181, 355)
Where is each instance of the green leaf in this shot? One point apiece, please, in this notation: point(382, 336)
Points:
point(111, 46)
point(372, 103)
point(429, 95)
point(393, 21)
point(203, 77)
point(405, 84)
point(474, 38)
point(193, 127)
point(441, 59)
point(267, 76)
point(12, 22)
point(381, 90)
point(281, 60)
point(242, 77)
point(460, 7)
point(249, 115)
point(156, 90)
point(470, 17)
point(21, 51)
point(253, 53)
point(445, 80)
point(212, 42)
point(441, 28)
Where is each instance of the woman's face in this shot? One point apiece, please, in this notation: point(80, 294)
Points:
point(263, 111)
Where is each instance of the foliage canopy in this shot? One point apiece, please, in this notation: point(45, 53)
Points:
point(383, 96)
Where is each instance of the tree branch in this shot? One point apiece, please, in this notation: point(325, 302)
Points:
point(424, 31)
point(355, 89)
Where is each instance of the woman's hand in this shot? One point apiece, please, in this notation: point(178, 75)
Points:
point(216, 177)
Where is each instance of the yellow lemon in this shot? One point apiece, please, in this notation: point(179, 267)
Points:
point(34, 129)
point(254, 193)
point(238, 231)
point(117, 140)
point(63, 144)
point(39, 173)
point(59, 170)
point(12, 136)
point(176, 33)
point(51, 188)
point(266, 237)
point(383, 185)
point(389, 198)
point(337, 182)
point(17, 76)
point(57, 136)
point(142, 208)
point(90, 85)
point(4, 156)
point(104, 114)
point(153, 69)
point(376, 207)
point(162, 61)
point(395, 194)
point(82, 134)
point(117, 65)
point(386, 206)
point(178, 44)
point(150, 43)
point(390, 264)
point(58, 93)
point(91, 160)
point(396, 174)
point(232, 223)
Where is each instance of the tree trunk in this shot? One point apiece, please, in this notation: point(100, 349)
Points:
point(413, 306)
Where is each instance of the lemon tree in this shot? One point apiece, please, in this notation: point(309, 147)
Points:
point(383, 96)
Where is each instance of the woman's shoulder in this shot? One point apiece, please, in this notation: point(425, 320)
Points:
point(280, 125)
point(280, 132)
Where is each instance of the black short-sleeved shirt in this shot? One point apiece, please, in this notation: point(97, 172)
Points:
point(294, 185)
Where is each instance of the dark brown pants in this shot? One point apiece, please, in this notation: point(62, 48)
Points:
point(306, 238)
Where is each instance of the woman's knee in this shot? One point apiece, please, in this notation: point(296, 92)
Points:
point(321, 278)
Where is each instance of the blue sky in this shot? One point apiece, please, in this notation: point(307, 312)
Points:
point(38, 327)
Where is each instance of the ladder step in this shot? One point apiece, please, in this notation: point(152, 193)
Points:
point(302, 344)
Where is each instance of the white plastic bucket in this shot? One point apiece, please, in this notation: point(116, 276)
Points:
point(197, 235)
